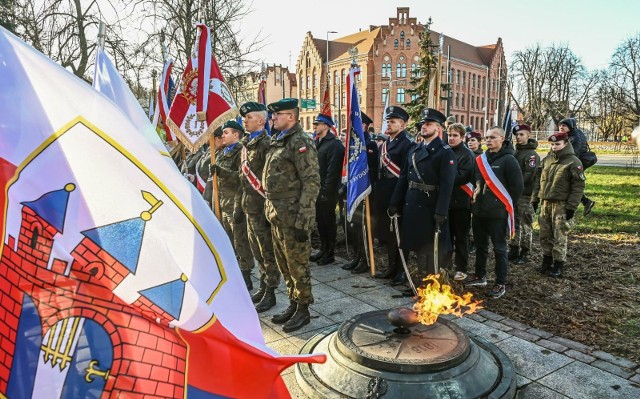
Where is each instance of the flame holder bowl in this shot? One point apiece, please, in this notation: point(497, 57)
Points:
point(367, 357)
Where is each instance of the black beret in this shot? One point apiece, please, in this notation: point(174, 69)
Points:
point(396, 112)
point(365, 119)
point(233, 125)
point(218, 132)
point(251, 107)
point(284, 104)
point(430, 114)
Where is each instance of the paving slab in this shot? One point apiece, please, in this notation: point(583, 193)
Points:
point(530, 360)
point(354, 285)
point(608, 357)
point(342, 309)
point(328, 273)
point(522, 381)
point(582, 381)
point(481, 330)
point(285, 346)
point(324, 293)
point(382, 298)
point(269, 333)
point(537, 391)
point(612, 368)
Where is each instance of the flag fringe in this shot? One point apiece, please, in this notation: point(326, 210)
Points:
point(203, 138)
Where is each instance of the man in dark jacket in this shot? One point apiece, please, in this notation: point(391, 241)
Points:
point(498, 187)
point(528, 160)
point(423, 194)
point(356, 238)
point(460, 204)
point(393, 156)
point(579, 143)
point(330, 156)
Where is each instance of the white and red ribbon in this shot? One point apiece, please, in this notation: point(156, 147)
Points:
point(388, 163)
point(200, 183)
point(468, 188)
point(498, 190)
point(248, 173)
point(204, 71)
point(162, 102)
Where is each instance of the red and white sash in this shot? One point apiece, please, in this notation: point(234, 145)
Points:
point(388, 163)
point(498, 189)
point(200, 183)
point(468, 188)
point(251, 177)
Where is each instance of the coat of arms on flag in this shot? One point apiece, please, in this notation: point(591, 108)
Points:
point(203, 101)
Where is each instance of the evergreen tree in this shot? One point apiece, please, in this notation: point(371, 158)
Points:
point(422, 76)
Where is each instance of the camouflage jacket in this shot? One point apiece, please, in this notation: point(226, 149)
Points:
point(229, 179)
point(291, 178)
point(560, 178)
point(257, 149)
point(202, 168)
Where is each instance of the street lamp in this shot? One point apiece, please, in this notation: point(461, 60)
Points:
point(327, 60)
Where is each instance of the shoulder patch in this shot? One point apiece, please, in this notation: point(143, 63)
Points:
point(532, 161)
point(445, 146)
point(303, 149)
point(451, 162)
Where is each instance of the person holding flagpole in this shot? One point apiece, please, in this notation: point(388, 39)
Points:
point(255, 146)
point(499, 185)
point(291, 179)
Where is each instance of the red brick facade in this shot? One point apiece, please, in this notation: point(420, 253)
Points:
point(148, 358)
point(387, 54)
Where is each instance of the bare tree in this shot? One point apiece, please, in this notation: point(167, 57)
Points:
point(7, 14)
point(625, 77)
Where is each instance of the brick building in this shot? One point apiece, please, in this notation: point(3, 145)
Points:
point(388, 55)
point(66, 316)
point(280, 83)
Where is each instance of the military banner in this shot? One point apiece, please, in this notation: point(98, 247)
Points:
point(117, 280)
point(203, 101)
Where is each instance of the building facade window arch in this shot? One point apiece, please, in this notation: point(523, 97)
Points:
point(462, 103)
point(395, 43)
point(343, 76)
point(408, 43)
point(335, 77)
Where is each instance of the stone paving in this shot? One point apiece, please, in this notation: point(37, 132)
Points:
point(547, 366)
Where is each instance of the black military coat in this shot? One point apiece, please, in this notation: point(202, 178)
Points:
point(397, 150)
point(465, 159)
point(330, 159)
point(436, 165)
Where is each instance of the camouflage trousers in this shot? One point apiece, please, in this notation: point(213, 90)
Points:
point(262, 248)
point(292, 258)
point(554, 229)
point(238, 235)
point(524, 223)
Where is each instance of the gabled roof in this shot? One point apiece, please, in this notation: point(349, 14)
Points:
point(339, 48)
point(464, 51)
point(168, 296)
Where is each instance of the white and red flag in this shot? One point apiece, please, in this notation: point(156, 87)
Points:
point(163, 101)
point(116, 279)
point(203, 101)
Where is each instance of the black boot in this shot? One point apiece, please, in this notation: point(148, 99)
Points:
point(268, 300)
point(545, 267)
point(399, 279)
point(514, 253)
point(392, 266)
point(320, 253)
point(300, 319)
point(361, 268)
point(286, 314)
point(351, 265)
point(246, 276)
point(556, 272)
point(522, 259)
point(328, 256)
point(257, 296)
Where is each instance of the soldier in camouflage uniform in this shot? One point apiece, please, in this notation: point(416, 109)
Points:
point(291, 179)
point(559, 186)
point(227, 167)
point(528, 159)
point(188, 165)
point(255, 147)
point(203, 167)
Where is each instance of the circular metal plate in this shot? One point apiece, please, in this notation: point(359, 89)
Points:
point(370, 340)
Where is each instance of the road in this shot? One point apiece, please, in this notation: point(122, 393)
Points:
point(614, 160)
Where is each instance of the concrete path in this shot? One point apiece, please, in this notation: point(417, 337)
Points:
point(547, 366)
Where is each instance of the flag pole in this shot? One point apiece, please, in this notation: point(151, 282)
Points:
point(372, 262)
point(215, 201)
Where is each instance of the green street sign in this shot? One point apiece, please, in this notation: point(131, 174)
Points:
point(308, 103)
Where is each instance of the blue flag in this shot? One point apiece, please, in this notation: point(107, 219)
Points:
point(508, 124)
point(358, 182)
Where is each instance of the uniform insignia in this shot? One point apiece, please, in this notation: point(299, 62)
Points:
point(579, 167)
point(370, 151)
point(582, 176)
point(446, 146)
point(451, 162)
point(532, 161)
point(302, 149)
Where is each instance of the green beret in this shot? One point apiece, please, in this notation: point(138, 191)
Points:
point(251, 107)
point(233, 125)
point(284, 104)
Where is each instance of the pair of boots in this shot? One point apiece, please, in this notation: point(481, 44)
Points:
point(294, 317)
point(264, 298)
point(394, 272)
point(518, 256)
point(325, 255)
point(551, 268)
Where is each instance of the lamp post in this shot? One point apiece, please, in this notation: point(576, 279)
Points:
point(327, 63)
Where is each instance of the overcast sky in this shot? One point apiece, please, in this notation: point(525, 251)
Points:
point(591, 28)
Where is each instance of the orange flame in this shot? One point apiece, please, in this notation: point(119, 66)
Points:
point(436, 298)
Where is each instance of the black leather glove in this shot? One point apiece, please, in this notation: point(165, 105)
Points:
point(534, 205)
point(214, 169)
point(393, 210)
point(237, 217)
point(440, 219)
point(301, 235)
point(570, 214)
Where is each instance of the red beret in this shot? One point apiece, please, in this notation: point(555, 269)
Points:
point(473, 135)
point(517, 128)
point(557, 136)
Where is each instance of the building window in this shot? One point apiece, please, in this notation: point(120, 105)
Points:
point(414, 70)
point(458, 77)
point(481, 124)
point(344, 77)
point(402, 35)
point(335, 97)
point(384, 70)
point(385, 92)
point(395, 44)
point(400, 97)
point(457, 100)
point(414, 97)
point(464, 78)
point(34, 239)
point(478, 102)
point(398, 70)
point(408, 43)
point(462, 104)
point(482, 103)
point(335, 77)
point(315, 79)
point(308, 81)
point(344, 98)
point(462, 119)
point(404, 70)
point(471, 105)
point(484, 84)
